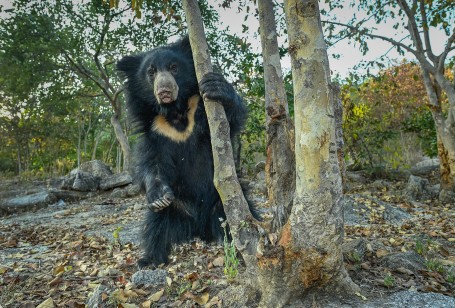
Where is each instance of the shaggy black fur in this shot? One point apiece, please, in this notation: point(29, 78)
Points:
point(174, 155)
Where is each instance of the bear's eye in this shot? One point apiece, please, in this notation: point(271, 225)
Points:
point(173, 68)
point(152, 71)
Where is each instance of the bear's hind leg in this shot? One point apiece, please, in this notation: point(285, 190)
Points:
point(161, 231)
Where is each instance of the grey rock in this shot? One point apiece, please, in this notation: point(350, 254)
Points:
point(356, 177)
point(260, 166)
point(97, 168)
point(67, 195)
point(425, 167)
point(402, 299)
point(95, 299)
point(409, 260)
point(380, 184)
point(394, 216)
point(149, 277)
point(28, 202)
point(85, 182)
point(415, 300)
point(447, 196)
point(416, 189)
point(118, 193)
point(354, 251)
point(133, 190)
point(116, 180)
point(357, 213)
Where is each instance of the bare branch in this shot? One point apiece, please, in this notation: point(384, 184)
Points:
point(82, 70)
point(447, 50)
point(412, 27)
point(426, 34)
point(420, 56)
point(365, 32)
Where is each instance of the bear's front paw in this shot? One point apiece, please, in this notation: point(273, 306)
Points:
point(162, 203)
point(213, 86)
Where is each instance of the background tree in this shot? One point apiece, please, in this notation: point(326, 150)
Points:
point(59, 58)
point(414, 22)
point(387, 120)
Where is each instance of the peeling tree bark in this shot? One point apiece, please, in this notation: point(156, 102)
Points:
point(279, 168)
point(312, 237)
point(305, 254)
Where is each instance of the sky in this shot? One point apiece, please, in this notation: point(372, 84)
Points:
point(350, 53)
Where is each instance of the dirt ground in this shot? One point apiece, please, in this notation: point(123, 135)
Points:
point(57, 256)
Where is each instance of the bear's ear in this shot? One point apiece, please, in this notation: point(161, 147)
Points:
point(184, 44)
point(129, 65)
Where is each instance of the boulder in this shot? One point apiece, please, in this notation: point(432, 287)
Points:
point(417, 189)
point(116, 180)
point(28, 202)
point(97, 168)
point(84, 181)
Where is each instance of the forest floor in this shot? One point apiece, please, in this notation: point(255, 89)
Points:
point(57, 256)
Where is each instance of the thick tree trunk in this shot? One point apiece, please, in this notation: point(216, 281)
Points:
point(280, 163)
point(311, 239)
point(445, 130)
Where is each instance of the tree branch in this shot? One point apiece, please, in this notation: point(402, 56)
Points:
point(426, 34)
point(365, 32)
point(412, 27)
point(447, 49)
point(82, 70)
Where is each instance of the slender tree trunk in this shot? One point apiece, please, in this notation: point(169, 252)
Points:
point(123, 141)
point(95, 145)
point(225, 177)
point(279, 168)
point(338, 110)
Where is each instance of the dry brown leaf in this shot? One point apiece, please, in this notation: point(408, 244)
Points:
point(202, 299)
point(192, 276)
point(381, 252)
point(214, 301)
point(146, 304)
point(48, 303)
point(156, 296)
point(218, 262)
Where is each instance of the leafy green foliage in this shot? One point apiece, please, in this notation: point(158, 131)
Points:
point(58, 84)
point(421, 123)
point(386, 120)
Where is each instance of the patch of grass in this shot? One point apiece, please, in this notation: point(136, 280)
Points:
point(231, 262)
point(434, 265)
point(389, 280)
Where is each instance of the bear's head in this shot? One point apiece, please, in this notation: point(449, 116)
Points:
point(164, 76)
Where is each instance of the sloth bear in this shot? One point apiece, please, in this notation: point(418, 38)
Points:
point(174, 161)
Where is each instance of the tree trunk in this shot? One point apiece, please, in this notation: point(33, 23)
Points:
point(310, 243)
point(338, 110)
point(307, 252)
point(225, 177)
point(445, 131)
point(123, 141)
point(279, 168)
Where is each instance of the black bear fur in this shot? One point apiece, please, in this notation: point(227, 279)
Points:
point(174, 163)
